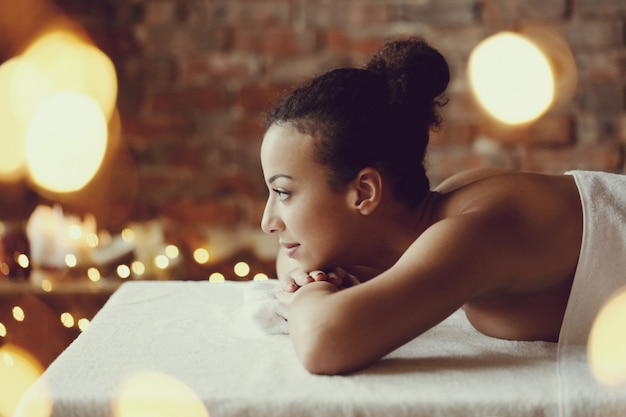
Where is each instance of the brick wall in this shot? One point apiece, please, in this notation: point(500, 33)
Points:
point(196, 75)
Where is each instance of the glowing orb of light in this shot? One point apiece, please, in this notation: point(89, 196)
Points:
point(66, 142)
point(157, 395)
point(511, 78)
point(241, 269)
point(67, 63)
point(607, 342)
point(201, 255)
point(13, 125)
point(18, 371)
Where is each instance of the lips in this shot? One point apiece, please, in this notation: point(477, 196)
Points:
point(290, 248)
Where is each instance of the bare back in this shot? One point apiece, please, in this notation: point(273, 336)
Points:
point(544, 218)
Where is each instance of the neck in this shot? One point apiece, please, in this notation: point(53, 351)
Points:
point(397, 228)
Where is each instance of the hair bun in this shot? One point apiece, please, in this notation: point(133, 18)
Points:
point(416, 73)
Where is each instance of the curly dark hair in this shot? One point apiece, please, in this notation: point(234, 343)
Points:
point(377, 116)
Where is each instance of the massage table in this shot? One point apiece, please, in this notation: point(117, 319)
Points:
point(199, 349)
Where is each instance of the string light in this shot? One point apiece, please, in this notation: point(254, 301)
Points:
point(128, 235)
point(216, 277)
point(74, 231)
point(18, 313)
point(123, 271)
point(3, 330)
point(260, 277)
point(93, 274)
point(241, 269)
point(138, 268)
point(46, 285)
point(201, 255)
point(83, 324)
point(23, 261)
point(92, 240)
point(70, 260)
point(161, 261)
point(67, 320)
point(171, 251)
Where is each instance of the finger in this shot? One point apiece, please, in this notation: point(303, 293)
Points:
point(302, 278)
point(350, 280)
point(318, 275)
point(334, 278)
point(288, 284)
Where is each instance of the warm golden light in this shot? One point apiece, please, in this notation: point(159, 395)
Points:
point(18, 371)
point(57, 63)
point(92, 240)
point(161, 261)
point(511, 78)
point(607, 342)
point(138, 268)
point(23, 261)
point(216, 277)
point(3, 330)
point(260, 277)
point(83, 324)
point(67, 320)
point(12, 126)
point(241, 269)
point(172, 251)
point(128, 235)
point(70, 260)
point(201, 255)
point(123, 271)
point(46, 285)
point(93, 274)
point(18, 313)
point(157, 395)
point(66, 142)
point(66, 63)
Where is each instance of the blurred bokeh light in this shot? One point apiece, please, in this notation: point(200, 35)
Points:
point(66, 142)
point(511, 78)
point(61, 94)
point(18, 370)
point(607, 342)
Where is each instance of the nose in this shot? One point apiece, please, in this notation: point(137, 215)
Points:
point(271, 221)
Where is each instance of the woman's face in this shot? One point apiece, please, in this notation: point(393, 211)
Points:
point(313, 222)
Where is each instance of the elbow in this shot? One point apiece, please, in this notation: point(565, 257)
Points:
point(322, 352)
point(322, 343)
point(319, 361)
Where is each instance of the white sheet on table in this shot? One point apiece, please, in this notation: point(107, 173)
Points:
point(199, 334)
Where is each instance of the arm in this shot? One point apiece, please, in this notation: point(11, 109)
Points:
point(292, 277)
point(455, 260)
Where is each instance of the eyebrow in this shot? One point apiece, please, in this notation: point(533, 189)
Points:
point(277, 176)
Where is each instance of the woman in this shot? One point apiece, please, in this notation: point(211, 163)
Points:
point(350, 202)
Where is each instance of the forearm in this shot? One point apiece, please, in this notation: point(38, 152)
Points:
point(309, 318)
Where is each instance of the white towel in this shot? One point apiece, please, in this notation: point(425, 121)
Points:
point(601, 271)
point(263, 308)
point(601, 267)
point(187, 345)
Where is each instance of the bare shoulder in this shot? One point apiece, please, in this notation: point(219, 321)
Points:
point(501, 232)
point(467, 177)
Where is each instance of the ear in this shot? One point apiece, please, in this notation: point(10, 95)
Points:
point(367, 191)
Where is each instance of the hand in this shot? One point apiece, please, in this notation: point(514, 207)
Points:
point(297, 278)
point(341, 279)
